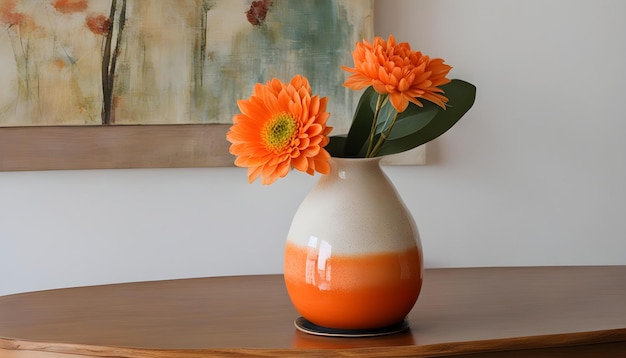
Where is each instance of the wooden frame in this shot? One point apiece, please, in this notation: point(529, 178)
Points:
point(108, 147)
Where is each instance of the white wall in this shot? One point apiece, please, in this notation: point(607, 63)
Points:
point(535, 174)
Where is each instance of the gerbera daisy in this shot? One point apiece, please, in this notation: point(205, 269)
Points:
point(395, 70)
point(281, 126)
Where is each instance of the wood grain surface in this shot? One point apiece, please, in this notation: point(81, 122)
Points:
point(487, 312)
point(114, 147)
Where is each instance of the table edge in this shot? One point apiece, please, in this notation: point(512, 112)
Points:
point(426, 269)
point(432, 350)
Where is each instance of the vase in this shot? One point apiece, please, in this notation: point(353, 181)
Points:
point(353, 257)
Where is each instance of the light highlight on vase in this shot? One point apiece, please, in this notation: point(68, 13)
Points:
point(352, 291)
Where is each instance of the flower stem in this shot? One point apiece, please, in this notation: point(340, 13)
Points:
point(379, 104)
point(384, 135)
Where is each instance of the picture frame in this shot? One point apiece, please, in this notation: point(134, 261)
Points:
point(176, 143)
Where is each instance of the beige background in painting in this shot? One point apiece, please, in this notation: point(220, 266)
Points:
point(161, 76)
point(55, 67)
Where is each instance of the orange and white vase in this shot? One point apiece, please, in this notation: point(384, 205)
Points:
point(353, 257)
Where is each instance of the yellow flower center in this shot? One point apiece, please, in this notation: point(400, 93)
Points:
point(278, 132)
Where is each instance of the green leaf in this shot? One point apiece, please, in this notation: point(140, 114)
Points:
point(461, 96)
point(336, 146)
point(361, 123)
point(414, 121)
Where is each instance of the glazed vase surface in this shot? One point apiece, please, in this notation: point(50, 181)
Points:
point(353, 256)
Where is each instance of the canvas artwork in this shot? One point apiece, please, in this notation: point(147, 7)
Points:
point(169, 62)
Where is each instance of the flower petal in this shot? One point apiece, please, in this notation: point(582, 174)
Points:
point(393, 68)
point(281, 126)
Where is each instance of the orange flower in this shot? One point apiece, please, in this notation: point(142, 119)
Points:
point(98, 24)
point(396, 70)
point(70, 6)
point(281, 127)
point(8, 15)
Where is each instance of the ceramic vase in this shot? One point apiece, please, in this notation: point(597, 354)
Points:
point(353, 257)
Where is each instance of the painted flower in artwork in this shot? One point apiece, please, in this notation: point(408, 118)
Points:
point(70, 6)
point(8, 13)
point(98, 24)
point(282, 126)
point(258, 11)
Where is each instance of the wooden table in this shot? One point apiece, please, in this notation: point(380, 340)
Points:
point(479, 312)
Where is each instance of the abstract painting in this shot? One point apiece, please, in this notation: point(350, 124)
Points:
point(69, 64)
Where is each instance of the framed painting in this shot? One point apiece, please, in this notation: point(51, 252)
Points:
point(88, 84)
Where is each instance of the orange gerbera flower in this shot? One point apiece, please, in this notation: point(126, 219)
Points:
point(396, 70)
point(281, 127)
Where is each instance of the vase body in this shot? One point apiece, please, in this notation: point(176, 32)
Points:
point(353, 257)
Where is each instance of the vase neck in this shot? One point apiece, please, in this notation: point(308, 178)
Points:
point(356, 160)
point(342, 167)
